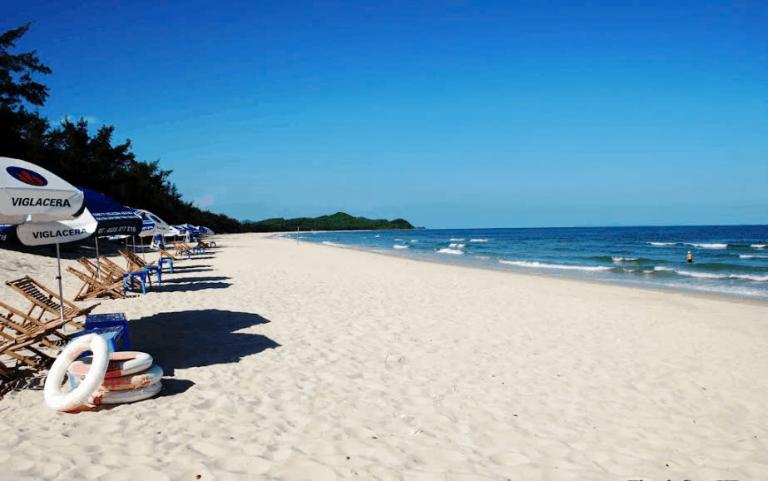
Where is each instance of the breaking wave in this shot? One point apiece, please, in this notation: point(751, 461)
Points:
point(542, 265)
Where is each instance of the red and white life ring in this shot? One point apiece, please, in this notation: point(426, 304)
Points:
point(79, 396)
point(138, 380)
point(122, 397)
point(121, 363)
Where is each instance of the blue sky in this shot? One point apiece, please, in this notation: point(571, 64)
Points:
point(448, 113)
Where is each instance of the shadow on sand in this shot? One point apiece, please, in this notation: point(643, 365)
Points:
point(190, 286)
point(184, 339)
point(187, 267)
point(182, 280)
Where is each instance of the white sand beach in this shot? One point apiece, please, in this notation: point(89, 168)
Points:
point(296, 362)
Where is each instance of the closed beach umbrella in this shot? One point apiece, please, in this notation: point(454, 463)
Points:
point(43, 206)
point(31, 193)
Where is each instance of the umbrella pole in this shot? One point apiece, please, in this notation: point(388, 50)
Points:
point(61, 288)
point(98, 263)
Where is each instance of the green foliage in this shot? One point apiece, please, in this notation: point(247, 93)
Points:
point(337, 221)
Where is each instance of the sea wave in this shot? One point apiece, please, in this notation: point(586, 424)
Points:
point(758, 246)
point(399, 246)
point(618, 259)
point(333, 244)
point(752, 256)
point(699, 245)
point(456, 239)
point(457, 245)
point(477, 241)
point(446, 250)
point(542, 265)
point(710, 275)
point(707, 245)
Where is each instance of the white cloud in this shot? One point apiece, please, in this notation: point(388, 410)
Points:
point(205, 201)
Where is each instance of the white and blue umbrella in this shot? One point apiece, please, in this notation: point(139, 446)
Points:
point(113, 218)
point(29, 193)
point(152, 224)
point(45, 208)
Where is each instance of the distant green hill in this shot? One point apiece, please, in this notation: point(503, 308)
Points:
point(337, 221)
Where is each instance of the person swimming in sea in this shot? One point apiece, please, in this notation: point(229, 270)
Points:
point(689, 258)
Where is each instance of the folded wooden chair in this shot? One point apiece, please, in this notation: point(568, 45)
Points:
point(94, 286)
point(134, 262)
point(111, 268)
point(20, 333)
point(20, 351)
point(165, 253)
point(117, 274)
point(182, 248)
point(45, 301)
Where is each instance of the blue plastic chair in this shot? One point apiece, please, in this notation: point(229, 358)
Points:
point(142, 276)
point(112, 319)
point(166, 261)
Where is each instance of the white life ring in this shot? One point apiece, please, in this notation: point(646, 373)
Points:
point(57, 399)
point(121, 363)
point(131, 381)
point(122, 397)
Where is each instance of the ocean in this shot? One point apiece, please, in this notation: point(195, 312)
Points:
point(729, 260)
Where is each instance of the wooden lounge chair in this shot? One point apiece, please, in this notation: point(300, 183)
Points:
point(118, 274)
point(165, 253)
point(19, 333)
point(182, 248)
point(111, 268)
point(205, 245)
point(134, 262)
point(94, 286)
point(46, 302)
point(20, 350)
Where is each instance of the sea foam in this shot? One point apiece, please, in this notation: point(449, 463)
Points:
point(708, 246)
point(542, 265)
point(333, 244)
point(618, 259)
point(399, 246)
point(446, 250)
point(478, 241)
point(710, 275)
point(457, 245)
